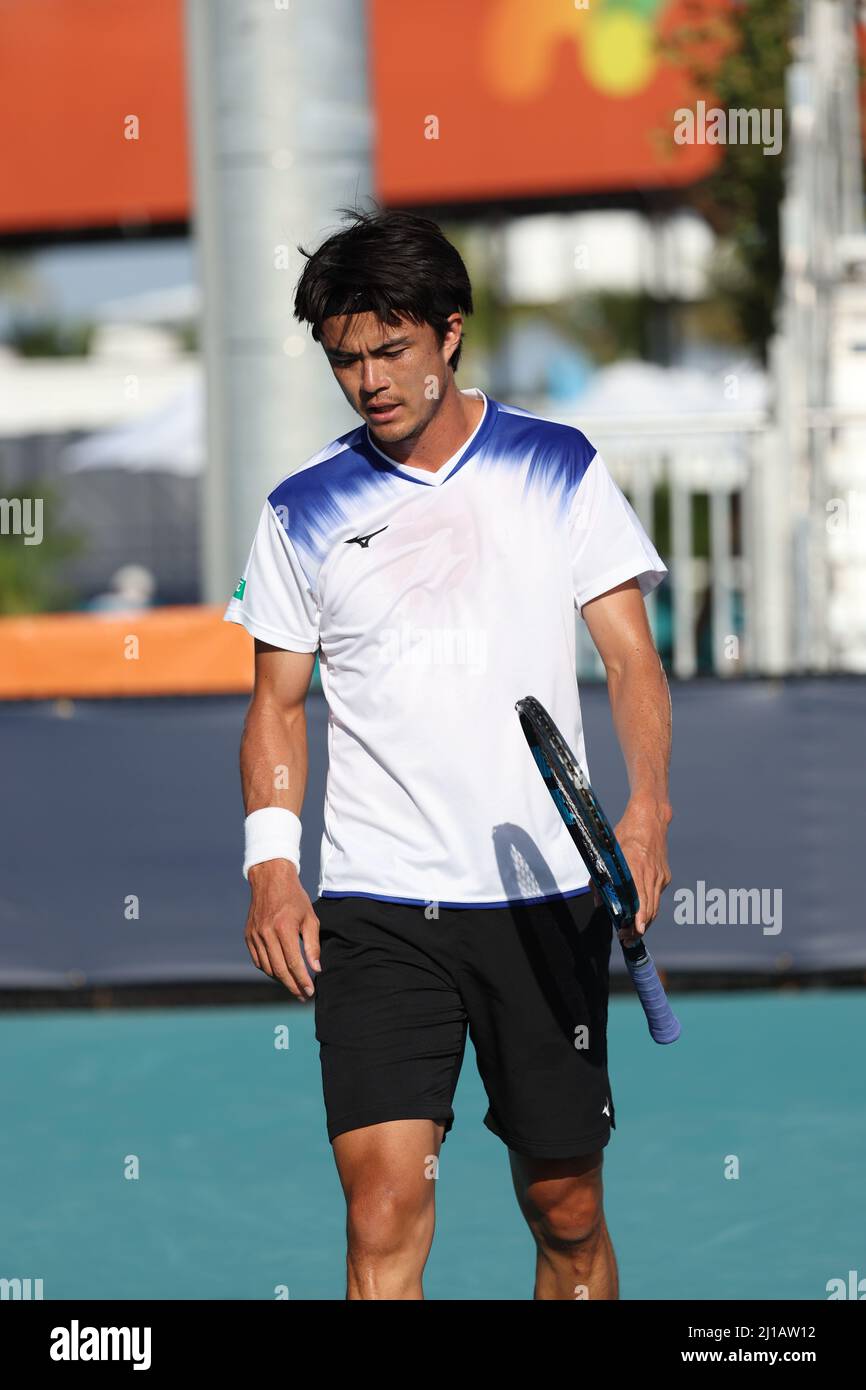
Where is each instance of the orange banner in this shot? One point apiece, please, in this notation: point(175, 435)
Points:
point(532, 98)
point(471, 101)
point(162, 651)
point(93, 115)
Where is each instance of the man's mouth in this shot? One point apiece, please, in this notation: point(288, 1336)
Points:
point(380, 411)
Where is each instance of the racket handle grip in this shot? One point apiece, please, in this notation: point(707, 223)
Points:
point(663, 1024)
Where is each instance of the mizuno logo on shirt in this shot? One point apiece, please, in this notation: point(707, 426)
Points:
point(364, 541)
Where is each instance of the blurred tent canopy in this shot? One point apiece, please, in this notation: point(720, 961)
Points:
point(170, 439)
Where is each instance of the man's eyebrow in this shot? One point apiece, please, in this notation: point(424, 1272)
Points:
point(385, 347)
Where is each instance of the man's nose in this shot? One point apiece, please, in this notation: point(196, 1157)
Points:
point(373, 376)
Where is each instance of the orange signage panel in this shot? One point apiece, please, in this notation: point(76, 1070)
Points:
point(530, 98)
point(92, 113)
point(163, 651)
point(473, 100)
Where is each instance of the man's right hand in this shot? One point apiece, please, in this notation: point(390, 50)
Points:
point(280, 917)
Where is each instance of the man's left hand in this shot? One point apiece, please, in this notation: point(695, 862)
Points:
point(642, 835)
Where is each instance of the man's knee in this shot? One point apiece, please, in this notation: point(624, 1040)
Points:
point(575, 1217)
point(383, 1219)
point(564, 1208)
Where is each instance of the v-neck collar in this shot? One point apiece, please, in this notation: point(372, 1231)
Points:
point(424, 476)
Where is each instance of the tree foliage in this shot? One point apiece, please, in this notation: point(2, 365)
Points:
point(736, 58)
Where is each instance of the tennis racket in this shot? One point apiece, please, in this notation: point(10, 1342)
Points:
point(591, 832)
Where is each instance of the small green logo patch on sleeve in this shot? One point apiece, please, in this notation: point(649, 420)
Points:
point(239, 591)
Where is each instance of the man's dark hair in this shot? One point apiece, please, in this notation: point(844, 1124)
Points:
point(396, 264)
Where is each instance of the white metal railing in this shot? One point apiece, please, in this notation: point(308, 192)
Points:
point(729, 461)
point(830, 544)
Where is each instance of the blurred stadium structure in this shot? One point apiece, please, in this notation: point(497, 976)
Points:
point(752, 480)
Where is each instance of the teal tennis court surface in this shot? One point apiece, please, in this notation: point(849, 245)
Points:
point(237, 1195)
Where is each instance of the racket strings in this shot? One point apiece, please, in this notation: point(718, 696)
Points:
point(574, 773)
point(576, 799)
point(588, 822)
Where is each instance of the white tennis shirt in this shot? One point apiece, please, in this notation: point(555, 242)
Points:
point(437, 600)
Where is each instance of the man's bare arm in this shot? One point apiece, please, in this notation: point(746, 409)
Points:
point(274, 741)
point(641, 706)
point(274, 773)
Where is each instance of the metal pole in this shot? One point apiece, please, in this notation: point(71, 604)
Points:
point(685, 658)
point(281, 131)
point(720, 578)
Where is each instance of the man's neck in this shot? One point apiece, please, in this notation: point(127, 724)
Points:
point(451, 426)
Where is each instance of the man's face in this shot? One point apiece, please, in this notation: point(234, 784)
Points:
point(393, 376)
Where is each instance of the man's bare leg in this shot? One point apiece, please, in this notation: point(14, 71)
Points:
point(388, 1176)
point(561, 1199)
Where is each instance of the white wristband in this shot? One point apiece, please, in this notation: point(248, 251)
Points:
point(272, 833)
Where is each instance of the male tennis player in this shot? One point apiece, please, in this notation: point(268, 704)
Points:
point(434, 557)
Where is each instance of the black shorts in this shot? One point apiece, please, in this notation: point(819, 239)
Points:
point(398, 990)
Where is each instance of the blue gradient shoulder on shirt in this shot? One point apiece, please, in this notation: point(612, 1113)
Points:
point(556, 456)
point(345, 480)
point(331, 490)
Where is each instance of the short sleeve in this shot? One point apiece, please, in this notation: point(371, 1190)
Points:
point(608, 543)
point(273, 599)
